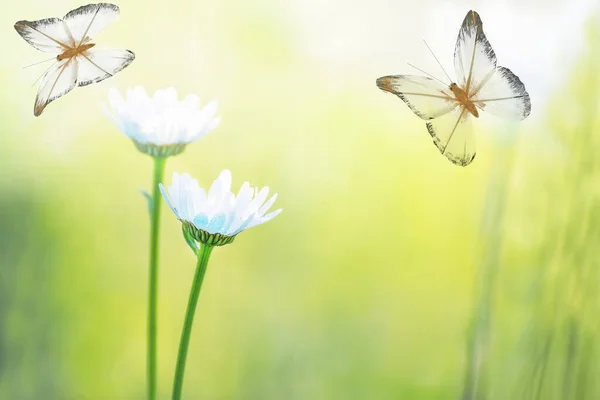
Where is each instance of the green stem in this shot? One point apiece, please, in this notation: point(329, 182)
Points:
point(159, 168)
point(203, 256)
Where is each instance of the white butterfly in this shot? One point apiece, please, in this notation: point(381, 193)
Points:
point(78, 62)
point(482, 85)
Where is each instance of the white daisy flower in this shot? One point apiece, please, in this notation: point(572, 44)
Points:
point(161, 125)
point(216, 217)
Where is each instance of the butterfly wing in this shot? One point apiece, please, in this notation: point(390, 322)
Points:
point(49, 35)
point(57, 81)
point(85, 22)
point(491, 88)
point(426, 97)
point(504, 95)
point(474, 58)
point(453, 136)
point(96, 65)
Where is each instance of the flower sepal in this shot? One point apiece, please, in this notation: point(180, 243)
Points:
point(160, 150)
point(202, 236)
point(190, 240)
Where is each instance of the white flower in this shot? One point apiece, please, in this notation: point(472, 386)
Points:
point(217, 216)
point(161, 122)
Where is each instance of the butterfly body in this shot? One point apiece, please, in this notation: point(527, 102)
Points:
point(78, 61)
point(69, 53)
point(481, 85)
point(462, 97)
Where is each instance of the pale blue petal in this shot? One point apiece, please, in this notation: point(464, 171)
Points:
point(201, 221)
point(216, 223)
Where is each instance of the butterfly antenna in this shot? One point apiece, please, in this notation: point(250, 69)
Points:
point(428, 74)
point(45, 72)
point(438, 61)
point(38, 63)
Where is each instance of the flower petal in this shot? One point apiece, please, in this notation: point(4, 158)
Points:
point(165, 196)
point(258, 200)
point(264, 219)
point(261, 211)
point(221, 185)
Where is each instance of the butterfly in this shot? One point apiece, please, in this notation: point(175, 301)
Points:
point(78, 62)
point(481, 85)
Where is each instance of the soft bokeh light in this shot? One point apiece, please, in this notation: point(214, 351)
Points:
point(364, 287)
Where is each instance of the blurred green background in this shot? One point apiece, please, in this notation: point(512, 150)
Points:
point(390, 274)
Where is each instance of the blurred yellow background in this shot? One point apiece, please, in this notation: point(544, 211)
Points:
point(372, 282)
